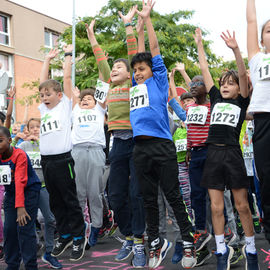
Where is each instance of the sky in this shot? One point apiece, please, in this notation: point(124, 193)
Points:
point(214, 16)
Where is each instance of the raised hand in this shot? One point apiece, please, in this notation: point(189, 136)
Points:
point(229, 40)
point(128, 18)
point(198, 36)
point(90, 28)
point(12, 91)
point(146, 10)
point(140, 25)
point(76, 92)
point(179, 67)
point(52, 54)
point(68, 48)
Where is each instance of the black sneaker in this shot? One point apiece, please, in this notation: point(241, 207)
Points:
point(61, 245)
point(257, 225)
point(201, 239)
point(237, 255)
point(202, 256)
point(78, 249)
point(223, 260)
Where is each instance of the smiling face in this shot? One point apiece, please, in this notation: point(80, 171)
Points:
point(197, 87)
point(187, 101)
point(119, 73)
point(34, 127)
point(87, 102)
point(50, 97)
point(142, 72)
point(229, 89)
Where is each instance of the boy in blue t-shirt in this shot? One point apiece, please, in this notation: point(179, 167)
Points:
point(154, 153)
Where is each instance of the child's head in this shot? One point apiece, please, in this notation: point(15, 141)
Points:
point(265, 36)
point(87, 100)
point(2, 118)
point(187, 99)
point(120, 71)
point(33, 126)
point(142, 67)
point(5, 139)
point(50, 93)
point(16, 128)
point(197, 87)
point(229, 84)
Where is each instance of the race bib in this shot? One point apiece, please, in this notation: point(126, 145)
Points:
point(197, 115)
point(86, 117)
point(49, 123)
point(101, 92)
point(5, 175)
point(181, 145)
point(35, 159)
point(264, 70)
point(248, 154)
point(225, 114)
point(139, 97)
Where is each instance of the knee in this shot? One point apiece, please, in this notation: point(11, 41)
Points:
point(217, 209)
point(242, 207)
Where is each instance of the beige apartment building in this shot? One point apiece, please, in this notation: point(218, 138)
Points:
point(23, 32)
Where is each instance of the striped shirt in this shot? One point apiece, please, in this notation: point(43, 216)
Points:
point(197, 134)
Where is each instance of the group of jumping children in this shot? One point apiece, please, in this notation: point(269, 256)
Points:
point(154, 164)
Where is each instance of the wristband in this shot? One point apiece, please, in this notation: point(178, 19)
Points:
point(128, 24)
point(9, 97)
point(68, 54)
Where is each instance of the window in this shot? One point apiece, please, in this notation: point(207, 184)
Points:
point(4, 30)
point(6, 61)
point(50, 38)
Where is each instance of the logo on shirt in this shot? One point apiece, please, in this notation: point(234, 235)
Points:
point(224, 108)
point(134, 91)
point(46, 117)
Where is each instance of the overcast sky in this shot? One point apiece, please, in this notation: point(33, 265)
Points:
point(213, 16)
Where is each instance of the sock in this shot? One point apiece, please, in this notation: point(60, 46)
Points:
point(250, 244)
point(138, 240)
point(221, 247)
point(187, 244)
point(65, 236)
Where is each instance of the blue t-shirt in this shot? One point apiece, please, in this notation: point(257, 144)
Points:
point(153, 119)
point(180, 112)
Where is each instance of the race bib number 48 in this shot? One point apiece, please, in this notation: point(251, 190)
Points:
point(102, 89)
point(197, 115)
point(225, 114)
point(49, 123)
point(5, 175)
point(139, 97)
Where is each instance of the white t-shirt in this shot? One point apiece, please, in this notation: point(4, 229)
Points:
point(88, 125)
point(55, 128)
point(260, 77)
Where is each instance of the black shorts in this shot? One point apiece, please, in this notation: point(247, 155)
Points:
point(224, 167)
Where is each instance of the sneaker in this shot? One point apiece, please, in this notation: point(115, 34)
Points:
point(125, 251)
point(267, 259)
point(237, 255)
point(92, 240)
point(110, 216)
point(189, 259)
point(251, 260)
point(229, 238)
point(61, 245)
point(201, 239)
point(158, 253)
point(257, 225)
point(223, 261)
point(202, 256)
point(113, 230)
point(139, 258)
point(78, 249)
point(52, 261)
point(178, 253)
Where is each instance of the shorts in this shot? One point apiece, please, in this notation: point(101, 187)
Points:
point(224, 167)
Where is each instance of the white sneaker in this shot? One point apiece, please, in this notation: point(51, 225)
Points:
point(189, 259)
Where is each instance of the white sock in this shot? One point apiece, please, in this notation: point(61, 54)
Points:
point(221, 247)
point(250, 244)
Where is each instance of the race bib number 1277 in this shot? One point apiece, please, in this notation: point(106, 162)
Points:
point(139, 97)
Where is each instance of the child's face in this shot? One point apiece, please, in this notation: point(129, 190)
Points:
point(4, 143)
point(16, 128)
point(187, 101)
point(119, 73)
point(49, 97)
point(197, 87)
point(266, 37)
point(229, 89)
point(88, 102)
point(142, 72)
point(34, 127)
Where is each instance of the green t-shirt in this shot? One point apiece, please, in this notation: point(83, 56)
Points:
point(180, 140)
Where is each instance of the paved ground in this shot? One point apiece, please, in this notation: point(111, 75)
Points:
point(101, 257)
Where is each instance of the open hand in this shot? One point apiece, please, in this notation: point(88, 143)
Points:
point(198, 36)
point(22, 216)
point(146, 10)
point(90, 28)
point(52, 54)
point(128, 18)
point(229, 40)
point(12, 91)
point(68, 48)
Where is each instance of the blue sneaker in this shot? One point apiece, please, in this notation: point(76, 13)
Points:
point(178, 253)
point(52, 261)
point(139, 258)
point(223, 261)
point(92, 240)
point(251, 260)
point(125, 250)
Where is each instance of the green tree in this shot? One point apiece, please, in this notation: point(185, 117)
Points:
point(174, 33)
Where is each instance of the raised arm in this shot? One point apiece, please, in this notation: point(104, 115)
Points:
point(11, 93)
point(100, 56)
point(44, 76)
point(140, 31)
point(181, 68)
point(67, 70)
point(75, 96)
point(25, 116)
point(145, 14)
point(172, 87)
point(252, 29)
point(207, 78)
point(242, 73)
